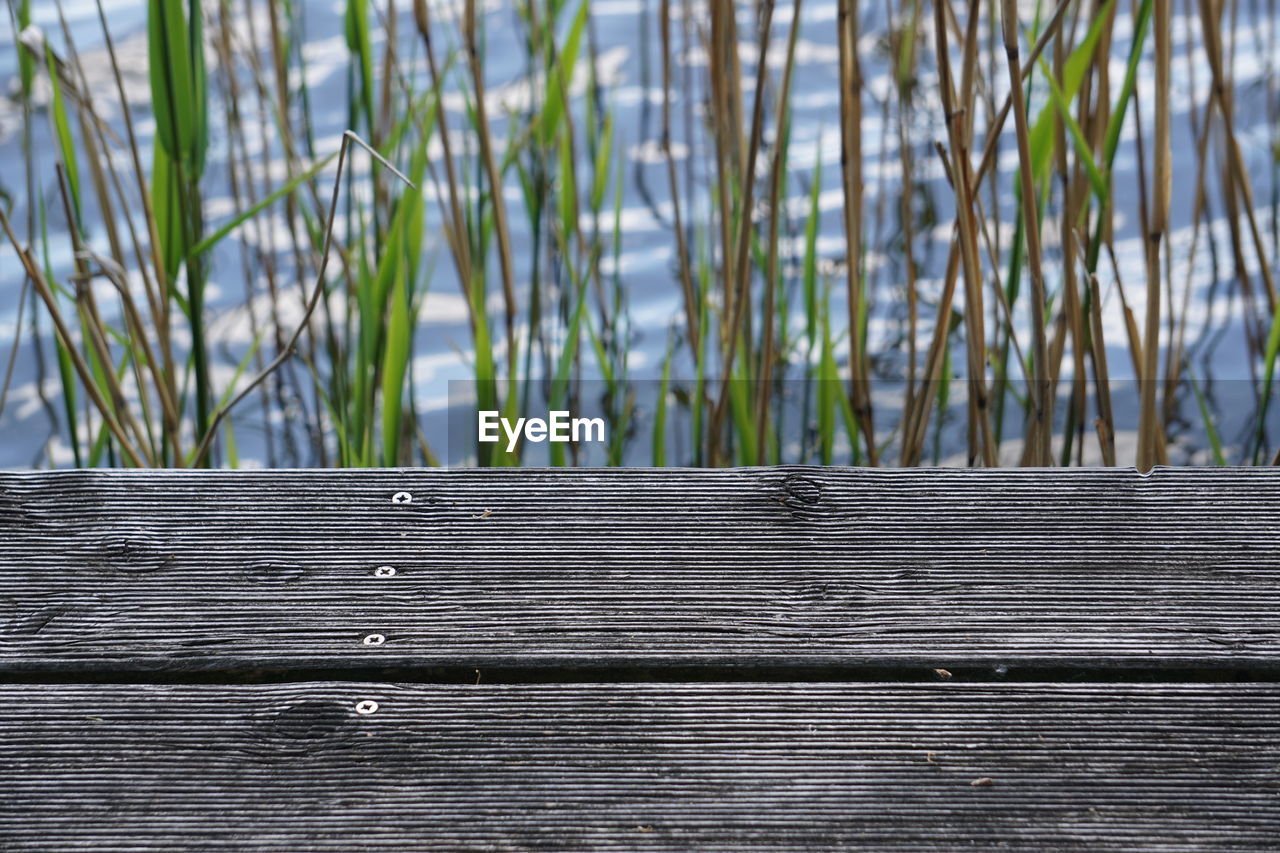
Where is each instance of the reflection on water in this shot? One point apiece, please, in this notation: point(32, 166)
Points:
point(1218, 319)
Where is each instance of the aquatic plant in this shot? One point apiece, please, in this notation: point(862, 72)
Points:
point(780, 349)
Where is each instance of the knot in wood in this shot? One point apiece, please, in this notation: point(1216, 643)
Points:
point(306, 725)
point(130, 553)
point(800, 493)
point(274, 571)
point(814, 595)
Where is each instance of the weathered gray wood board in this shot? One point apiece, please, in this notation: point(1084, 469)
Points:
point(178, 572)
point(788, 659)
point(640, 767)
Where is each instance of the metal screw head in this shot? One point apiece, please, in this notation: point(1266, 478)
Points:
point(374, 640)
point(366, 706)
point(384, 572)
point(402, 498)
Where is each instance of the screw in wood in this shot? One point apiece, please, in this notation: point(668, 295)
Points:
point(366, 706)
point(402, 498)
point(374, 640)
point(384, 572)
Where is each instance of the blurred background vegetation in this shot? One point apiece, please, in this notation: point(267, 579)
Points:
point(902, 233)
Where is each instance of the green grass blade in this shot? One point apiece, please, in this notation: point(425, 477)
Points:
point(560, 77)
point(1099, 183)
point(26, 65)
point(1210, 431)
point(356, 30)
point(173, 92)
point(811, 257)
point(600, 177)
point(660, 409)
point(227, 393)
point(395, 365)
point(1268, 376)
point(62, 132)
point(1141, 28)
point(239, 219)
point(1041, 137)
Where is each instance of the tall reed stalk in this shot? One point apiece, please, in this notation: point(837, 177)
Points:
point(988, 251)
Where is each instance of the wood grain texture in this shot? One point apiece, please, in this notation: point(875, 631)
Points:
point(640, 767)
point(184, 571)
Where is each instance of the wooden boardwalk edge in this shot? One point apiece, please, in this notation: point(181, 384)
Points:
point(748, 659)
point(349, 766)
point(1038, 571)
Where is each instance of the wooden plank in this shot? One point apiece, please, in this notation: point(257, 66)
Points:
point(785, 567)
point(640, 767)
